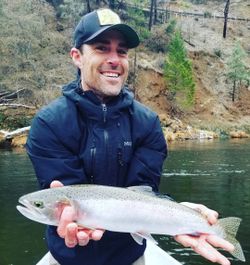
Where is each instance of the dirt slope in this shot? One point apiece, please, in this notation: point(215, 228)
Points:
point(213, 107)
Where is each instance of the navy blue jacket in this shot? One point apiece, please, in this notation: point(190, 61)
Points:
point(77, 139)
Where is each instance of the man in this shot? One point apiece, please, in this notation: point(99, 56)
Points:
point(97, 133)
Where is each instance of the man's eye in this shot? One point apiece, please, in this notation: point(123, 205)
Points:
point(123, 51)
point(39, 204)
point(101, 48)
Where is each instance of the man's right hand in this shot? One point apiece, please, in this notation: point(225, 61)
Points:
point(69, 230)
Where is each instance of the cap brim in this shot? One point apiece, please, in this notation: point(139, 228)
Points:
point(129, 34)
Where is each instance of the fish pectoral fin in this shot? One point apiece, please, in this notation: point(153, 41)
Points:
point(75, 204)
point(139, 236)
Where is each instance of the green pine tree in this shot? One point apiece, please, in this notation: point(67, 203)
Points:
point(236, 70)
point(178, 70)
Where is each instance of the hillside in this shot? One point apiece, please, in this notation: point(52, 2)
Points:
point(35, 45)
point(213, 108)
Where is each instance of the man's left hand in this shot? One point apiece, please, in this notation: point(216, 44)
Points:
point(205, 244)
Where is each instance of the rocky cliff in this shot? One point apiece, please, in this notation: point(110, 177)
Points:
point(34, 49)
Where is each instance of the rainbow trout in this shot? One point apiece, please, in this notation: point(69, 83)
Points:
point(135, 210)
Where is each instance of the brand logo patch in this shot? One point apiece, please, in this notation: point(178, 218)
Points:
point(127, 143)
point(107, 17)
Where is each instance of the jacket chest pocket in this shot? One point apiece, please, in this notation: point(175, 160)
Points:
point(124, 156)
point(124, 153)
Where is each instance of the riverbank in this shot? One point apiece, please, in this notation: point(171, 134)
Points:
point(18, 138)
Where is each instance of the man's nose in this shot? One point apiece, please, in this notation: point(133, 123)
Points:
point(113, 59)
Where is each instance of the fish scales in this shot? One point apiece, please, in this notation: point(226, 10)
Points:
point(133, 210)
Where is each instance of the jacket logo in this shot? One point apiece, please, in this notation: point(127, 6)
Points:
point(127, 143)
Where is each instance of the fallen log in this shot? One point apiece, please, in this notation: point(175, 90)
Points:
point(16, 105)
point(10, 135)
point(11, 94)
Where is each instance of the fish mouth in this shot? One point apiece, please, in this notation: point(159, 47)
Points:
point(32, 213)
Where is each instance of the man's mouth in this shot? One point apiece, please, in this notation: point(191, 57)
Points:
point(109, 74)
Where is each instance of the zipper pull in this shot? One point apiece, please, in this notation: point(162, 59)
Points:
point(92, 154)
point(104, 109)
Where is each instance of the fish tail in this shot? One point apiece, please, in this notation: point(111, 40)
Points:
point(230, 227)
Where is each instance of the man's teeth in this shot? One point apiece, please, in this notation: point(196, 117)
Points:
point(111, 74)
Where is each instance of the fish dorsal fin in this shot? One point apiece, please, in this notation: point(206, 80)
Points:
point(164, 196)
point(149, 191)
point(142, 189)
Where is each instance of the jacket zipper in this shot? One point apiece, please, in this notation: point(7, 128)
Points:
point(104, 110)
point(92, 153)
point(105, 132)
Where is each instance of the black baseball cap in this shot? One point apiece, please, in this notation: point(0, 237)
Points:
point(93, 24)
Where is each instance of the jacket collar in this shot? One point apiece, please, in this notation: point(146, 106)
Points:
point(91, 106)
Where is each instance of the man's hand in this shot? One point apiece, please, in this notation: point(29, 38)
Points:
point(205, 244)
point(69, 230)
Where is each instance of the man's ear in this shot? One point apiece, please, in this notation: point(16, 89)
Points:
point(76, 57)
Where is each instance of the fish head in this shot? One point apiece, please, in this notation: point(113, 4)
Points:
point(42, 206)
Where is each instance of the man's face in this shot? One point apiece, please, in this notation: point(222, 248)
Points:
point(104, 64)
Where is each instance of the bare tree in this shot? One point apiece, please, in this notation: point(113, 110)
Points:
point(226, 10)
point(155, 12)
point(88, 6)
point(151, 14)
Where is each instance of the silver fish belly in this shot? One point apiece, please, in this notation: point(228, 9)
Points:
point(133, 210)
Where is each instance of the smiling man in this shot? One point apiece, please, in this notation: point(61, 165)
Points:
point(97, 133)
point(103, 64)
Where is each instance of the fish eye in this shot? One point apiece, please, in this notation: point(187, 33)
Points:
point(38, 204)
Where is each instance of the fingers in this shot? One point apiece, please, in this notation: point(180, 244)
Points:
point(67, 217)
point(70, 235)
point(211, 215)
point(56, 184)
point(84, 235)
point(219, 243)
point(97, 234)
point(69, 230)
point(201, 245)
point(83, 238)
point(209, 252)
point(187, 241)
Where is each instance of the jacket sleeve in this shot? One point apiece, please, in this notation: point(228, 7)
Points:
point(149, 154)
point(51, 157)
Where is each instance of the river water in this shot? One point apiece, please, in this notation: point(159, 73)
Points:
point(215, 173)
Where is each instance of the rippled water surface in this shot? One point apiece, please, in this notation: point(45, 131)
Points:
point(215, 173)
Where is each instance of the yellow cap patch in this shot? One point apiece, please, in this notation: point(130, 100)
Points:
point(107, 17)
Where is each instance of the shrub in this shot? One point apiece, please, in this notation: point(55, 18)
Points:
point(158, 40)
point(160, 37)
point(218, 52)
